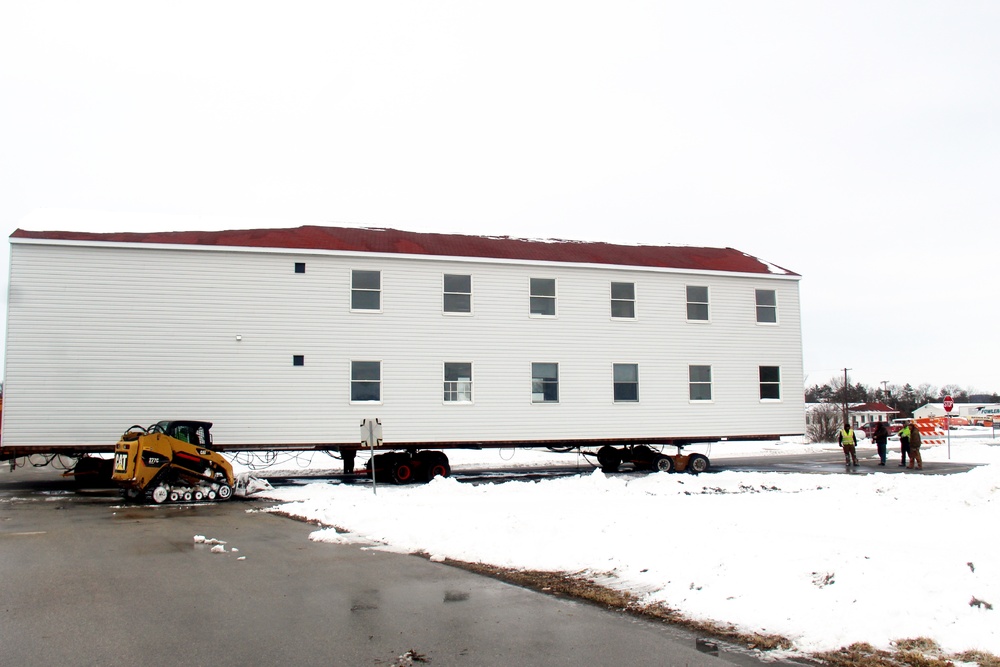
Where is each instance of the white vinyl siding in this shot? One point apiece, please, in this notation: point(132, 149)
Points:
point(101, 337)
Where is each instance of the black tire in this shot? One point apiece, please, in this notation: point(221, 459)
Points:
point(642, 457)
point(383, 465)
point(402, 470)
point(663, 463)
point(697, 463)
point(225, 492)
point(561, 448)
point(85, 471)
point(609, 458)
point(439, 466)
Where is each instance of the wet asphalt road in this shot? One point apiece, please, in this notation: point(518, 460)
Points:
point(89, 581)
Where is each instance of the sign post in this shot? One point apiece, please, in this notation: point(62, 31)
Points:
point(371, 436)
point(948, 405)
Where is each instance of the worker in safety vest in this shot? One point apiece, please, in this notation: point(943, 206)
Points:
point(848, 441)
point(904, 443)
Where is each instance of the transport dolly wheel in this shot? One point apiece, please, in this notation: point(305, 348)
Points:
point(439, 466)
point(609, 458)
point(663, 463)
point(698, 463)
point(402, 470)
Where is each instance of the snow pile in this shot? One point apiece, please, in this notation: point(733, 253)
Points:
point(825, 560)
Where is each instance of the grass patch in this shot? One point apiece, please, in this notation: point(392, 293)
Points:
point(582, 588)
point(915, 652)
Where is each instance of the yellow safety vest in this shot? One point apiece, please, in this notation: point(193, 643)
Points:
point(847, 438)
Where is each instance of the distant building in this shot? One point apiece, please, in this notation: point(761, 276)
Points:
point(869, 413)
point(860, 413)
point(959, 410)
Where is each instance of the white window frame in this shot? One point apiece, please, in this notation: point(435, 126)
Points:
point(615, 300)
point(366, 290)
point(757, 306)
point(769, 383)
point(378, 382)
point(460, 386)
point(692, 383)
point(552, 297)
point(543, 401)
point(445, 294)
point(707, 303)
point(615, 382)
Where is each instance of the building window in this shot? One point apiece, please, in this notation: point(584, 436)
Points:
point(626, 379)
point(543, 297)
point(457, 382)
point(544, 383)
point(300, 267)
point(298, 360)
point(697, 303)
point(366, 381)
point(623, 300)
point(767, 306)
point(770, 383)
point(457, 293)
point(700, 382)
point(366, 290)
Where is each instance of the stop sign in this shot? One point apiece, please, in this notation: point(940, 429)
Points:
point(948, 404)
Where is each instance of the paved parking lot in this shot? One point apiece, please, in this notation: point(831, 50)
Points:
point(90, 581)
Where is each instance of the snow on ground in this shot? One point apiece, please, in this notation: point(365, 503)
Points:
point(825, 560)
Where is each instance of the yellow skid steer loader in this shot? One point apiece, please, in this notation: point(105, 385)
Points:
point(172, 461)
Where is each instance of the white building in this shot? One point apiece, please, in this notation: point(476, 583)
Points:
point(870, 413)
point(292, 336)
point(937, 410)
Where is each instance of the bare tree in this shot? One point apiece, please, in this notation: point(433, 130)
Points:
point(823, 423)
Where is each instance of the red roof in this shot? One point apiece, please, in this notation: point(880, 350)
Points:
point(350, 239)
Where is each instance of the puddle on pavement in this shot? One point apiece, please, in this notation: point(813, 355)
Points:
point(456, 596)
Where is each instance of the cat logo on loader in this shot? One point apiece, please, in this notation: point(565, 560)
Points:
point(172, 461)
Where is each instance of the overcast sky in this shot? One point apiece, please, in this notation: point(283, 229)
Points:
point(855, 143)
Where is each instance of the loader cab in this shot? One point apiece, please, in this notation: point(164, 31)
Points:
point(192, 432)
